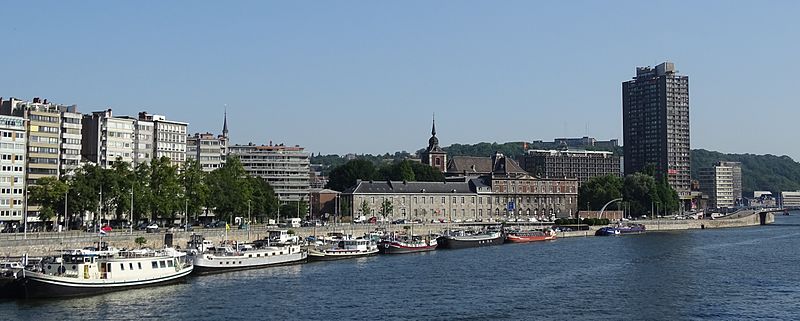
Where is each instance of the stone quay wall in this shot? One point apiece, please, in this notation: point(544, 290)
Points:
point(49, 243)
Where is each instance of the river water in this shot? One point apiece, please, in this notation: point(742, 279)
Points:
point(717, 274)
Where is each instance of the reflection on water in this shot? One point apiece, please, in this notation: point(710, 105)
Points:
point(717, 274)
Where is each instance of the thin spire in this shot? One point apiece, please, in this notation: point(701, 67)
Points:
point(433, 128)
point(225, 122)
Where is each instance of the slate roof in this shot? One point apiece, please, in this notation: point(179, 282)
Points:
point(396, 187)
point(483, 165)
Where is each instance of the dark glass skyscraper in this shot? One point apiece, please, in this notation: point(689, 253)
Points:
point(655, 117)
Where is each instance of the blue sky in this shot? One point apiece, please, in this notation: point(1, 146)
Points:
point(365, 76)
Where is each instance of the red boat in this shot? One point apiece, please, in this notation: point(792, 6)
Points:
point(529, 236)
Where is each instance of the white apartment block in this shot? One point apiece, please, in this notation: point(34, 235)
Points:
point(718, 183)
point(790, 199)
point(107, 139)
point(208, 150)
point(13, 144)
point(286, 168)
point(169, 137)
point(70, 141)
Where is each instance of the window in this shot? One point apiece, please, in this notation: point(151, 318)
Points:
point(170, 263)
point(122, 266)
point(155, 264)
point(140, 265)
point(162, 264)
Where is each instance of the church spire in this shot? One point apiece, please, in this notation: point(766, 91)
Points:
point(433, 128)
point(225, 123)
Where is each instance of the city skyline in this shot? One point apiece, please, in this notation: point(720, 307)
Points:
point(379, 64)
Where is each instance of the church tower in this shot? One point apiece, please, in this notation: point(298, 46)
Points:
point(434, 155)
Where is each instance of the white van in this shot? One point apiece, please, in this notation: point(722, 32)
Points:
point(294, 222)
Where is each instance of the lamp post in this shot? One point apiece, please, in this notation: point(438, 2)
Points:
point(131, 222)
point(66, 214)
point(248, 219)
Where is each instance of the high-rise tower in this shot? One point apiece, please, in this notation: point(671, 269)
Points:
point(655, 117)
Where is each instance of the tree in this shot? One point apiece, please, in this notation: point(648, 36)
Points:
point(406, 171)
point(165, 187)
point(364, 209)
point(264, 203)
point(386, 208)
point(599, 190)
point(426, 173)
point(48, 193)
point(117, 187)
point(142, 194)
point(229, 189)
point(670, 202)
point(195, 188)
point(140, 241)
point(297, 208)
point(345, 176)
point(84, 186)
point(640, 192)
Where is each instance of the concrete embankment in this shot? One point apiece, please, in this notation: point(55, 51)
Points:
point(747, 218)
point(41, 244)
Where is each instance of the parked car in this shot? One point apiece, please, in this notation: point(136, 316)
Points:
point(152, 228)
point(184, 227)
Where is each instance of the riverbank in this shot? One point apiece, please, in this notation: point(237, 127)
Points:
point(42, 244)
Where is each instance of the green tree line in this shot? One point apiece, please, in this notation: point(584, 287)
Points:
point(159, 190)
point(346, 175)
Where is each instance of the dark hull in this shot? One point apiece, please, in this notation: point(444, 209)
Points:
point(447, 242)
point(204, 270)
point(614, 231)
point(35, 289)
point(387, 248)
point(339, 257)
point(10, 288)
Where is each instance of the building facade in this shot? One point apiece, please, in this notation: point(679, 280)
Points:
point(71, 140)
point(13, 144)
point(655, 111)
point(581, 165)
point(169, 138)
point(717, 182)
point(285, 168)
point(53, 140)
point(577, 143)
point(790, 199)
point(208, 150)
point(736, 171)
point(501, 193)
point(108, 139)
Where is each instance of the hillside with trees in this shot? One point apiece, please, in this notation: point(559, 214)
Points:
point(759, 172)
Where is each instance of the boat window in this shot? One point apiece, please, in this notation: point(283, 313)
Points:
point(109, 268)
point(162, 264)
point(140, 265)
point(130, 265)
point(170, 264)
point(249, 255)
point(122, 266)
point(155, 264)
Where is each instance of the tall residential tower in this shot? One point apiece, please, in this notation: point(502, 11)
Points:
point(655, 116)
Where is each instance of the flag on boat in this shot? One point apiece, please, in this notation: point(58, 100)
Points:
point(227, 227)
